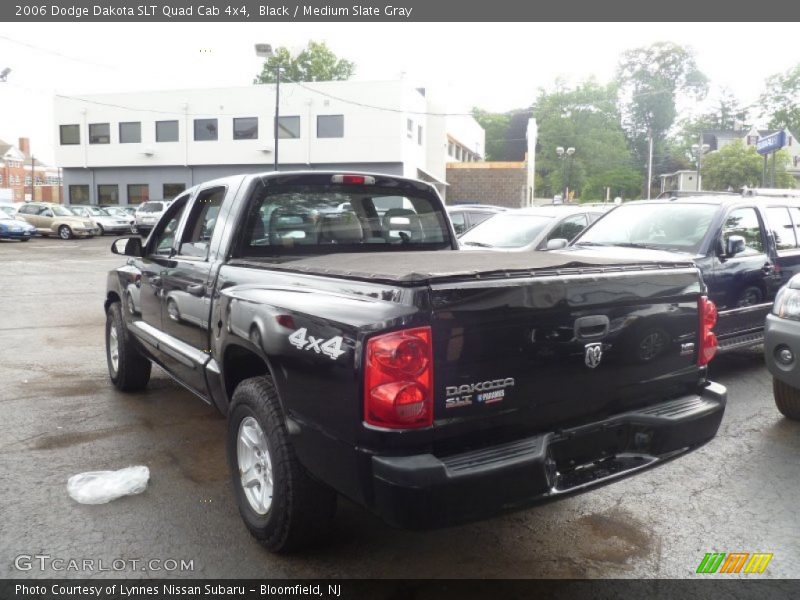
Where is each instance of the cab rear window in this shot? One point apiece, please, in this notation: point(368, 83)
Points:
point(309, 219)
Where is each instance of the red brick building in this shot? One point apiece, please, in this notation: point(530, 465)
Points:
point(20, 180)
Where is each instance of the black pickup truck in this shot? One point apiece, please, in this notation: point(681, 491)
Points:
point(356, 351)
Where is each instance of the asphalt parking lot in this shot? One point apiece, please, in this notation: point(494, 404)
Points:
point(60, 416)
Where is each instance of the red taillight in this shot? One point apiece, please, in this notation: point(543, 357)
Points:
point(708, 341)
point(398, 380)
point(353, 179)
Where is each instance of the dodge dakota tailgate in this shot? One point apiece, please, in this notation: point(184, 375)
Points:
point(515, 355)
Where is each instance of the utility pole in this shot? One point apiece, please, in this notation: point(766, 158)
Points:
point(33, 181)
point(649, 160)
point(277, 112)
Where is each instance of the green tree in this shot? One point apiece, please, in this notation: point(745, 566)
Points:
point(650, 80)
point(314, 63)
point(585, 118)
point(625, 182)
point(496, 127)
point(781, 100)
point(737, 165)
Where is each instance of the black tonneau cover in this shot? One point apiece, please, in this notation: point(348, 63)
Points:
point(419, 268)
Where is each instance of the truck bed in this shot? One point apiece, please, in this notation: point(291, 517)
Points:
point(427, 267)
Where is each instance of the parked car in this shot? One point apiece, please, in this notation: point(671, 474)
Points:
point(527, 229)
point(362, 354)
point(465, 216)
point(10, 208)
point(782, 348)
point(104, 221)
point(746, 248)
point(148, 213)
point(121, 211)
point(12, 228)
point(55, 219)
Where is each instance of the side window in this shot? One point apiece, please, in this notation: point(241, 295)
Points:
point(780, 223)
point(479, 217)
point(459, 222)
point(202, 221)
point(744, 222)
point(164, 234)
point(568, 228)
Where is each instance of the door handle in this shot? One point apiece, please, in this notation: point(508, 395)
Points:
point(197, 289)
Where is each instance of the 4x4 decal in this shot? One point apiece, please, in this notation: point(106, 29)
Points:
point(331, 348)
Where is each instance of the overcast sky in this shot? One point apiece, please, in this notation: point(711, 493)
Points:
point(497, 66)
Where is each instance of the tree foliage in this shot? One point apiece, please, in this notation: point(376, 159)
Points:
point(650, 80)
point(781, 100)
point(737, 165)
point(585, 118)
point(496, 126)
point(316, 62)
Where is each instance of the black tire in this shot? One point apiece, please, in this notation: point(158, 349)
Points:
point(301, 509)
point(24, 239)
point(751, 296)
point(132, 372)
point(64, 232)
point(787, 399)
point(102, 231)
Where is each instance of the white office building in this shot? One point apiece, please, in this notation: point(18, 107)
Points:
point(126, 148)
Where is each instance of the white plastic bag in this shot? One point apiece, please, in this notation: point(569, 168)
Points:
point(99, 487)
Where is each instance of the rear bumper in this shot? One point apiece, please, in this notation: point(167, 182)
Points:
point(426, 491)
point(778, 334)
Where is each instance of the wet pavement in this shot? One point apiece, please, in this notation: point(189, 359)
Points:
point(59, 415)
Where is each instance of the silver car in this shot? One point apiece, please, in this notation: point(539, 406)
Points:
point(106, 222)
point(148, 213)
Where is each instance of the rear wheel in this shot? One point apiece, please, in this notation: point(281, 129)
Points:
point(282, 506)
point(787, 399)
point(64, 232)
point(128, 368)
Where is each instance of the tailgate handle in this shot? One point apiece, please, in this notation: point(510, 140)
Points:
point(591, 328)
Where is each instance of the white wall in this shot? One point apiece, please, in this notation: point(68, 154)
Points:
point(371, 135)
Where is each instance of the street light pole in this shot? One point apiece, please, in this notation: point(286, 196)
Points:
point(277, 112)
point(699, 150)
point(265, 51)
point(566, 179)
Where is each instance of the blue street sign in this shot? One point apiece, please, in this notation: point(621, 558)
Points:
point(771, 143)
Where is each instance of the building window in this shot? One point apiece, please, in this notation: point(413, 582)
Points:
point(330, 126)
point(409, 128)
point(171, 190)
point(70, 134)
point(79, 194)
point(1, 179)
point(166, 131)
point(130, 133)
point(108, 194)
point(99, 133)
point(288, 127)
point(245, 128)
point(27, 179)
point(458, 152)
point(205, 130)
point(450, 149)
point(419, 134)
point(138, 193)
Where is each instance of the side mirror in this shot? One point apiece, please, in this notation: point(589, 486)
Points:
point(127, 246)
point(556, 244)
point(734, 245)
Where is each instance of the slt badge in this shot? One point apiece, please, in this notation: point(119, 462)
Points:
point(594, 354)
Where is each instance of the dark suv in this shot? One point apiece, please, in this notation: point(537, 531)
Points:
point(746, 248)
